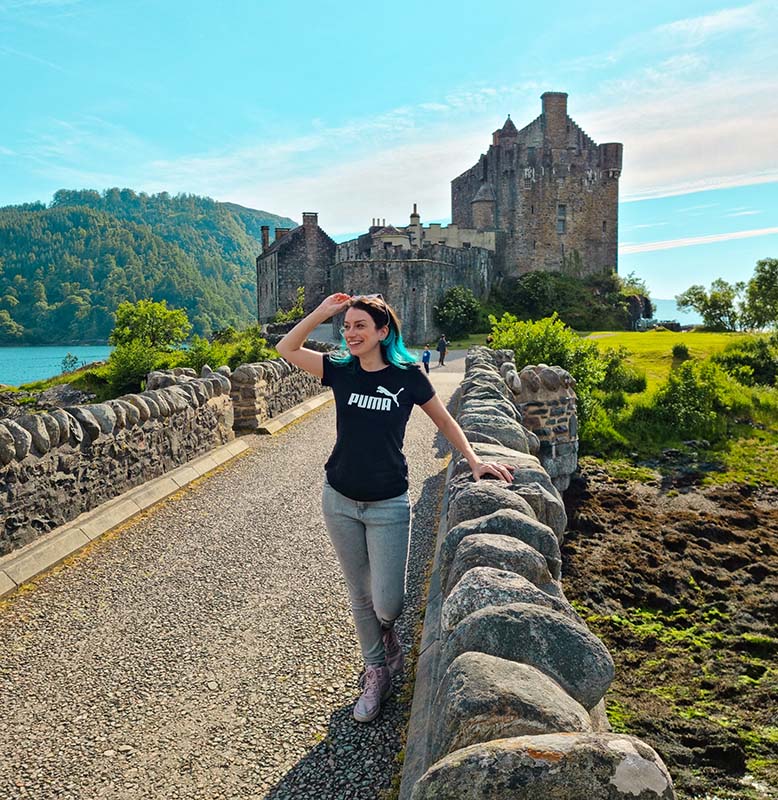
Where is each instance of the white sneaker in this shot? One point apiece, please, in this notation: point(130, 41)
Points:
point(377, 686)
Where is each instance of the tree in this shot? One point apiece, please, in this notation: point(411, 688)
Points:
point(458, 313)
point(760, 307)
point(717, 307)
point(153, 324)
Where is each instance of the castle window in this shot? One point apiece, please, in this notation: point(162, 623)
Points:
point(532, 209)
point(561, 218)
point(534, 244)
point(604, 226)
point(465, 244)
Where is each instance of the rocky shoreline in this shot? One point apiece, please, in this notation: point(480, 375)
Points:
point(680, 580)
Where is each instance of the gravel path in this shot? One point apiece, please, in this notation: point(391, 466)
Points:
point(207, 650)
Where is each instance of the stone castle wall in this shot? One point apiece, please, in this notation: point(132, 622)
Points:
point(54, 466)
point(414, 281)
point(510, 681)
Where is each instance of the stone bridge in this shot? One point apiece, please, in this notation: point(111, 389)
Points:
point(191, 637)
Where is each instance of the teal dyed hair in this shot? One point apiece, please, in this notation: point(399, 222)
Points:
point(393, 347)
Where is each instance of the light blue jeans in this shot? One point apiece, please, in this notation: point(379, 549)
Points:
point(371, 541)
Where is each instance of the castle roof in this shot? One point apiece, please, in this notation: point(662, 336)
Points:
point(485, 192)
point(509, 129)
point(390, 230)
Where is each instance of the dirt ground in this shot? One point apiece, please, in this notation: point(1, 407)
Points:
point(681, 583)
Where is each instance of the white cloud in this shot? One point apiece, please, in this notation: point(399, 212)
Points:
point(671, 244)
point(694, 31)
point(743, 213)
point(9, 51)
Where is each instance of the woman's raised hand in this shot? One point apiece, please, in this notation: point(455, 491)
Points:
point(334, 303)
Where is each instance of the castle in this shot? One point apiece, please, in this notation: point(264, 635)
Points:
point(541, 198)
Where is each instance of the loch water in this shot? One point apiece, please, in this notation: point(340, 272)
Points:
point(20, 365)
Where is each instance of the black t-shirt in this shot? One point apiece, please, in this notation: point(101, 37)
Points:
point(372, 408)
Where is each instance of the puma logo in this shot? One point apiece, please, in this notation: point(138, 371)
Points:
point(373, 403)
point(381, 390)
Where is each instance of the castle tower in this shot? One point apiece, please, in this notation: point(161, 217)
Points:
point(555, 119)
point(555, 194)
point(483, 208)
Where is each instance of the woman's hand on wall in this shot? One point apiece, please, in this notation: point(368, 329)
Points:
point(482, 468)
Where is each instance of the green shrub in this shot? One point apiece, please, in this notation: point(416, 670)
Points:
point(752, 361)
point(681, 352)
point(694, 403)
point(249, 349)
point(597, 433)
point(459, 313)
point(620, 375)
point(128, 366)
point(201, 352)
point(550, 341)
point(297, 311)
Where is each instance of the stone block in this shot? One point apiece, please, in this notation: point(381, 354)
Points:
point(22, 439)
point(482, 697)
point(562, 648)
point(108, 516)
point(505, 522)
point(153, 491)
point(563, 766)
point(500, 552)
point(498, 426)
point(183, 476)
point(35, 426)
point(488, 586)
point(7, 586)
point(470, 499)
point(44, 554)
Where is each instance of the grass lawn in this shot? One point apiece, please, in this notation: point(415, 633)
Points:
point(652, 351)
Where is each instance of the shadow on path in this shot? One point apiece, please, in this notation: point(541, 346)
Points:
point(359, 761)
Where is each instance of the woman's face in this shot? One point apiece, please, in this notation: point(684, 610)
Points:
point(360, 332)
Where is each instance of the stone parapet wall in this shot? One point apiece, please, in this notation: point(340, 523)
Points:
point(515, 680)
point(546, 399)
point(265, 390)
point(54, 466)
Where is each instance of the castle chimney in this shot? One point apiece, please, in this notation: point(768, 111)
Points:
point(281, 232)
point(555, 118)
point(310, 219)
point(265, 237)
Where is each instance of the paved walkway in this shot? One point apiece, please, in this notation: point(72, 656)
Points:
point(207, 650)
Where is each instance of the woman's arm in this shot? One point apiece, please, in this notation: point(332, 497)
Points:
point(449, 427)
point(291, 346)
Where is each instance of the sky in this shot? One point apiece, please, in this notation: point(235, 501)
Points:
point(358, 110)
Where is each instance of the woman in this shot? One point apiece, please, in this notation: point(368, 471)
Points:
point(376, 383)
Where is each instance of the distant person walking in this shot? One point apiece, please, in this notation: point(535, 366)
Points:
point(425, 358)
point(376, 383)
point(442, 349)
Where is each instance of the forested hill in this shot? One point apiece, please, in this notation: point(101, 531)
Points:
point(65, 267)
